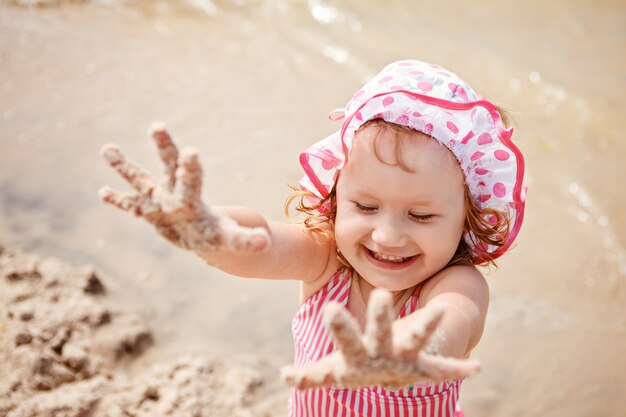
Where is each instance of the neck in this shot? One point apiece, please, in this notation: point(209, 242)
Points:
point(365, 289)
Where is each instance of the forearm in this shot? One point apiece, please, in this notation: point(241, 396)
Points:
point(380, 356)
point(463, 295)
point(291, 251)
point(240, 263)
point(451, 337)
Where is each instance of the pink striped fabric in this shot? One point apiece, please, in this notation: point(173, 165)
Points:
point(313, 341)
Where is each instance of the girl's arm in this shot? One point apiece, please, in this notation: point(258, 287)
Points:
point(463, 294)
point(292, 252)
point(427, 346)
point(235, 239)
point(382, 355)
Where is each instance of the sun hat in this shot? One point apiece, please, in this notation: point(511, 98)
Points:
point(436, 102)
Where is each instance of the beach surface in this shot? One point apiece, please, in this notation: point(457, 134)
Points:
point(249, 84)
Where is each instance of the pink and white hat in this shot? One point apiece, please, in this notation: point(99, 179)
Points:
point(436, 102)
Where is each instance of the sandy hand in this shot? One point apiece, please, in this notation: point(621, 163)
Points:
point(378, 357)
point(174, 206)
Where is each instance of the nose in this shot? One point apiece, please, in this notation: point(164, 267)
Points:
point(389, 233)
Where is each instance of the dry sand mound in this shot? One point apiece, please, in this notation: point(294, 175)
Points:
point(62, 351)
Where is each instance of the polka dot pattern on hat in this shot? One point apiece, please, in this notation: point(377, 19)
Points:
point(436, 102)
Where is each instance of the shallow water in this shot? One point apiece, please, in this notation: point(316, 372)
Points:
point(249, 83)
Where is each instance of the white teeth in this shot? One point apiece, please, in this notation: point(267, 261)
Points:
point(388, 258)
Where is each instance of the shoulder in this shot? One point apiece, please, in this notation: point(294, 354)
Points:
point(460, 288)
point(460, 278)
point(464, 293)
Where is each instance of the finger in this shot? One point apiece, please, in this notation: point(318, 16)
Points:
point(422, 332)
point(137, 177)
point(345, 332)
point(378, 328)
point(241, 239)
point(190, 177)
point(167, 151)
point(439, 368)
point(122, 201)
point(316, 375)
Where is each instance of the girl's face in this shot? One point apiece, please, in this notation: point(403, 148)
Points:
point(398, 228)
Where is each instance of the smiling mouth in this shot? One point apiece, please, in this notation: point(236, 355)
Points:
point(389, 258)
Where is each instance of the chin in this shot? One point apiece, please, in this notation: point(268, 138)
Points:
point(389, 283)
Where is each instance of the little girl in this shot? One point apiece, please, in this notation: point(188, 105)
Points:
point(421, 184)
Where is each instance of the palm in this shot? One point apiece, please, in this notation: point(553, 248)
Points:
point(174, 205)
point(372, 358)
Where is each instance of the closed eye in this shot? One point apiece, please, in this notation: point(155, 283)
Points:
point(421, 218)
point(363, 208)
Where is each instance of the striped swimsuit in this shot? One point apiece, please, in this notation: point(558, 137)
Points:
point(313, 341)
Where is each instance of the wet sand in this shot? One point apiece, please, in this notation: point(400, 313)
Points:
point(250, 86)
point(64, 352)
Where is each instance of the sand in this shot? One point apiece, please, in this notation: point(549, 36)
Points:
point(250, 85)
point(65, 352)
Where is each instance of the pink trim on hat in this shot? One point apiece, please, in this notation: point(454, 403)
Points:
point(462, 121)
point(322, 189)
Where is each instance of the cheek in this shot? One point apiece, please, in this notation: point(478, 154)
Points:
point(457, 228)
point(342, 230)
point(342, 218)
point(461, 227)
point(455, 232)
point(348, 229)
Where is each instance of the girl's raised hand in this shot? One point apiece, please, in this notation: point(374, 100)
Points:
point(174, 205)
point(379, 357)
